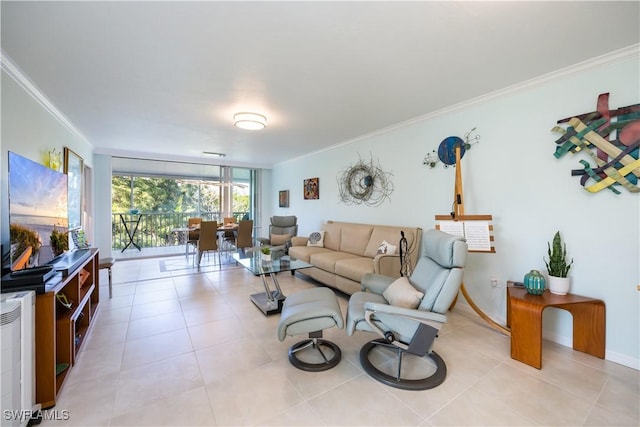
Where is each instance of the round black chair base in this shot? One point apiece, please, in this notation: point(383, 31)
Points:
point(432, 381)
point(315, 367)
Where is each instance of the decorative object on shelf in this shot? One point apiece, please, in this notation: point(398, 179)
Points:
point(79, 239)
point(557, 266)
point(52, 160)
point(64, 301)
point(364, 183)
point(283, 198)
point(59, 241)
point(534, 282)
point(447, 150)
point(266, 254)
point(134, 211)
point(311, 188)
point(615, 160)
point(74, 168)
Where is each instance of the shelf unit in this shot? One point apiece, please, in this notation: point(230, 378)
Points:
point(60, 331)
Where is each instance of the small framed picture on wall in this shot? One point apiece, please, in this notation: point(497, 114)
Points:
point(283, 198)
point(312, 188)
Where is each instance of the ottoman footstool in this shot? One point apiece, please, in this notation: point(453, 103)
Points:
point(310, 312)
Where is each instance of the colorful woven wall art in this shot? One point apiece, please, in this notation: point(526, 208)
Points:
point(611, 141)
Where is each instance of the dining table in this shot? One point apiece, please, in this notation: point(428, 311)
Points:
point(184, 232)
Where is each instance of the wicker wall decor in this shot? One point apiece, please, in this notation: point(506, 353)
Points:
point(364, 183)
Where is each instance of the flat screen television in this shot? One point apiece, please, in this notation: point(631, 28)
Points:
point(37, 205)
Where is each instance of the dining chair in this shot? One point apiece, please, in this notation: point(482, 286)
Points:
point(244, 235)
point(208, 239)
point(192, 237)
point(229, 236)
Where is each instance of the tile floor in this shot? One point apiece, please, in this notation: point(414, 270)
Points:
point(185, 348)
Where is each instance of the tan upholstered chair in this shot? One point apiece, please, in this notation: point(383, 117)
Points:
point(208, 239)
point(192, 238)
point(229, 237)
point(244, 238)
point(281, 230)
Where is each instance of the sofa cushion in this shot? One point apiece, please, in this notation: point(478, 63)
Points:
point(332, 236)
point(354, 268)
point(304, 253)
point(401, 293)
point(355, 239)
point(327, 260)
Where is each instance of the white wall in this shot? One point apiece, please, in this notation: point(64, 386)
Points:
point(512, 175)
point(31, 129)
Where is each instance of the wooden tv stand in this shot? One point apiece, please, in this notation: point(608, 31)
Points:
point(59, 331)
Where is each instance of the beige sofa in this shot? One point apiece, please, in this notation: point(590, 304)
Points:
point(350, 251)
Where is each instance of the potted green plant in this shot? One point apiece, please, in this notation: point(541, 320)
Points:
point(266, 254)
point(59, 241)
point(557, 266)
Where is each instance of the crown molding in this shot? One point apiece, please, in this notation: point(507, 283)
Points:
point(620, 55)
point(13, 71)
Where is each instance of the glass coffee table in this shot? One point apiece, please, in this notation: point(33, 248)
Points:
point(269, 302)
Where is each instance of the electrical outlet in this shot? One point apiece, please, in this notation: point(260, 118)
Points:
point(494, 281)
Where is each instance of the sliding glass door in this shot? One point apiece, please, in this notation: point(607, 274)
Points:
point(163, 195)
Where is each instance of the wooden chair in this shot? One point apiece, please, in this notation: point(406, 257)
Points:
point(208, 239)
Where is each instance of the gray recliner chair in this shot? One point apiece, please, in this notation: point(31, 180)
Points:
point(281, 230)
point(408, 313)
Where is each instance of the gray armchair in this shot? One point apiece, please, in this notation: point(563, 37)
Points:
point(281, 230)
point(431, 289)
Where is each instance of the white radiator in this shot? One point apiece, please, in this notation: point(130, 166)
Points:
point(18, 357)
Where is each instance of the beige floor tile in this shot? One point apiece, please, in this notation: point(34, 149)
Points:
point(252, 396)
point(300, 415)
point(155, 325)
point(157, 347)
point(217, 332)
point(141, 311)
point(114, 315)
point(89, 403)
point(473, 408)
point(230, 358)
point(620, 396)
point(540, 401)
point(363, 402)
point(136, 388)
point(189, 408)
point(159, 295)
point(600, 416)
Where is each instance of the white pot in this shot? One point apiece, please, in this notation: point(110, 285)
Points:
point(266, 257)
point(559, 285)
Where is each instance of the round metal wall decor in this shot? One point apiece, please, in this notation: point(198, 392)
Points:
point(364, 183)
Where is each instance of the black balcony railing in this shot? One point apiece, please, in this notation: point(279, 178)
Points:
point(155, 229)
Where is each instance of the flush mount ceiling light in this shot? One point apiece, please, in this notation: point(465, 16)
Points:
point(250, 121)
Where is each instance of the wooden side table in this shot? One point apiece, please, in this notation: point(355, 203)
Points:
point(524, 316)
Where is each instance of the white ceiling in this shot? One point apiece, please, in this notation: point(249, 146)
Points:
point(163, 79)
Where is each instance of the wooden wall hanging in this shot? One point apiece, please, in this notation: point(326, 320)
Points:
point(610, 139)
